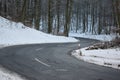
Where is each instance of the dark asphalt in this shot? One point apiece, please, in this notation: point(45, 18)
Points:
point(53, 62)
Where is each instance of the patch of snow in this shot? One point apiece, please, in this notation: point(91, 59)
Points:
point(7, 75)
point(97, 37)
point(107, 57)
point(1, 46)
point(12, 33)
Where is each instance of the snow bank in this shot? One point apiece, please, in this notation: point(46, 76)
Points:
point(107, 57)
point(7, 75)
point(12, 33)
point(97, 37)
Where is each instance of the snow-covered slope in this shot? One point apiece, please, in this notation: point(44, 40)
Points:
point(12, 33)
point(106, 57)
point(101, 37)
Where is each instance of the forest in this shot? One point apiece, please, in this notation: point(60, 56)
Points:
point(60, 17)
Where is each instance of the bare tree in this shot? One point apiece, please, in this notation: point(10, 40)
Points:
point(68, 17)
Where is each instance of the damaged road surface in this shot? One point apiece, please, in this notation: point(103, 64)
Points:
point(53, 62)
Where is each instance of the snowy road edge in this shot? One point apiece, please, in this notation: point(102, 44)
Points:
point(80, 56)
point(7, 74)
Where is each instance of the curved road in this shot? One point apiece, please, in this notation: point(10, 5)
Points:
point(53, 62)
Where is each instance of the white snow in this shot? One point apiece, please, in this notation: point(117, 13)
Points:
point(12, 33)
point(107, 57)
point(7, 75)
point(97, 37)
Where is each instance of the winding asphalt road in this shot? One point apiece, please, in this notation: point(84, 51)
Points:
point(53, 62)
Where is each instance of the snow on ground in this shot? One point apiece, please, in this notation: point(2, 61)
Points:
point(12, 33)
point(90, 36)
point(1, 46)
point(7, 75)
point(107, 57)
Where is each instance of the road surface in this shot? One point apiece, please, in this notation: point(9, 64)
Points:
point(53, 62)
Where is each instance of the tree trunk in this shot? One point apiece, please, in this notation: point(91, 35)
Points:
point(49, 16)
point(37, 14)
point(68, 17)
point(24, 7)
